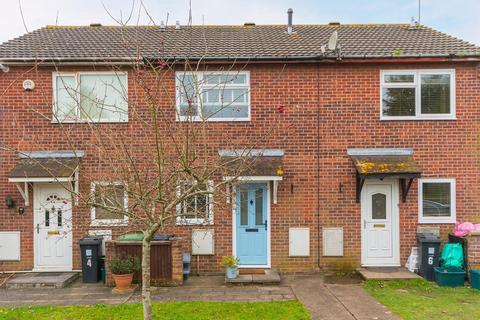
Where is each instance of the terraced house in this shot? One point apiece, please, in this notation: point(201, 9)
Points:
point(381, 126)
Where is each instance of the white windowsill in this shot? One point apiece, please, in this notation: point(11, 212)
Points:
point(109, 223)
point(197, 119)
point(417, 118)
point(436, 221)
point(87, 121)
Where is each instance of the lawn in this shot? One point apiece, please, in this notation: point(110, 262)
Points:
point(164, 310)
point(420, 299)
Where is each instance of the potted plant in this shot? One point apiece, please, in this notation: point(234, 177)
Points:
point(230, 263)
point(122, 269)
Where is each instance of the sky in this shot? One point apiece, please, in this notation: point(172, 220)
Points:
point(460, 18)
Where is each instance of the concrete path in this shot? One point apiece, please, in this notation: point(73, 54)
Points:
point(337, 301)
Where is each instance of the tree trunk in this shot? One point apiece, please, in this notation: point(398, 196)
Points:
point(146, 298)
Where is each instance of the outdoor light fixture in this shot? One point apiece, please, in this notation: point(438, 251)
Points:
point(9, 202)
point(21, 210)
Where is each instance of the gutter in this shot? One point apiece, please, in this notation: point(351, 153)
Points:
point(218, 59)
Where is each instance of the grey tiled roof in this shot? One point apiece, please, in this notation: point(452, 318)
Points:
point(230, 42)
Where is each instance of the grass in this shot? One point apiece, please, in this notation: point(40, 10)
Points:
point(420, 299)
point(164, 310)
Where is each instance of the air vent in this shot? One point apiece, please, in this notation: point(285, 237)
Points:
point(95, 24)
point(334, 23)
point(249, 24)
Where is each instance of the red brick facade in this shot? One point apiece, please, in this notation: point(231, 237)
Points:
point(328, 108)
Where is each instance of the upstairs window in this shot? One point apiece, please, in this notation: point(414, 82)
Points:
point(90, 97)
point(213, 96)
point(420, 94)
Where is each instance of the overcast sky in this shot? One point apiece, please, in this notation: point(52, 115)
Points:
point(458, 18)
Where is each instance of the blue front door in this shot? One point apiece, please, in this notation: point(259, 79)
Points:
point(252, 224)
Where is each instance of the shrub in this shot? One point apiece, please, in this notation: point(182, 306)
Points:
point(230, 262)
point(124, 265)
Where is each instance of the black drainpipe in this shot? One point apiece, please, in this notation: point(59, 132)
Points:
point(318, 165)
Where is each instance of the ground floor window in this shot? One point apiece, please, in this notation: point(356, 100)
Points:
point(196, 209)
point(436, 200)
point(109, 202)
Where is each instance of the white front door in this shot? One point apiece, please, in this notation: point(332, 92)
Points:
point(52, 227)
point(380, 223)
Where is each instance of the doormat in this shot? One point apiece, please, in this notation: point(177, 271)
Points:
point(252, 271)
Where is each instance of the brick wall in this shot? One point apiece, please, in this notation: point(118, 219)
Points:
point(474, 250)
point(337, 104)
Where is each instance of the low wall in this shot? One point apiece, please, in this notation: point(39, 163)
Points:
point(474, 250)
point(166, 261)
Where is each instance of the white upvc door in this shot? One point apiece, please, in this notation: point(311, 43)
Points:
point(380, 223)
point(52, 227)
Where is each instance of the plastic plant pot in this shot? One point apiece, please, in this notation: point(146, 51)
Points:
point(475, 279)
point(450, 277)
point(232, 272)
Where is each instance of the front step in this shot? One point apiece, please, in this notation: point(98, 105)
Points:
point(255, 276)
point(42, 280)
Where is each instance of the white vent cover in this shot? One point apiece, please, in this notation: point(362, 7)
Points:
point(10, 246)
point(333, 242)
point(299, 242)
point(202, 242)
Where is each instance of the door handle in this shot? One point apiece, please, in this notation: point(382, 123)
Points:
point(38, 227)
point(364, 224)
point(265, 225)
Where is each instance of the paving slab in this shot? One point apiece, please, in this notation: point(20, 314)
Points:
point(337, 301)
point(269, 276)
point(42, 280)
point(387, 273)
point(359, 303)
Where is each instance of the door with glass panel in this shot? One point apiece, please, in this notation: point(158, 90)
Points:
point(252, 225)
point(52, 227)
point(380, 224)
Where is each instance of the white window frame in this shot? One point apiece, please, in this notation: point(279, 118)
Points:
point(107, 222)
point(199, 75)
point(196, 221)
point(453, 193)
point(77, 76)
point(418, 97)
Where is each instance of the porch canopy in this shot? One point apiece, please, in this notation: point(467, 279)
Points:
point(253, 165)
point(384, 163)
point(45, 166)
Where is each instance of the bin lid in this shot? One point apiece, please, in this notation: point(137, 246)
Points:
point(90, 240)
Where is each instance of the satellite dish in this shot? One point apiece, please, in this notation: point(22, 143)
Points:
point(332, 42)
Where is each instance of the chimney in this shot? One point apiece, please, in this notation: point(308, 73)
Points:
point(177, 25)
point(290, 21)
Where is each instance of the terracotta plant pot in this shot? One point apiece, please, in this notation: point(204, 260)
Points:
point(123, 281)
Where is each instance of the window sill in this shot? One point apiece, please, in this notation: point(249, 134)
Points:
point(187, 119)
point(86, 121)
point(109, 223)
point(193, 222)
point(417, 119)
point(438, 221)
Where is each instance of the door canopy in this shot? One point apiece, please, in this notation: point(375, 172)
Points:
point(384, 163)
point(45, 166)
